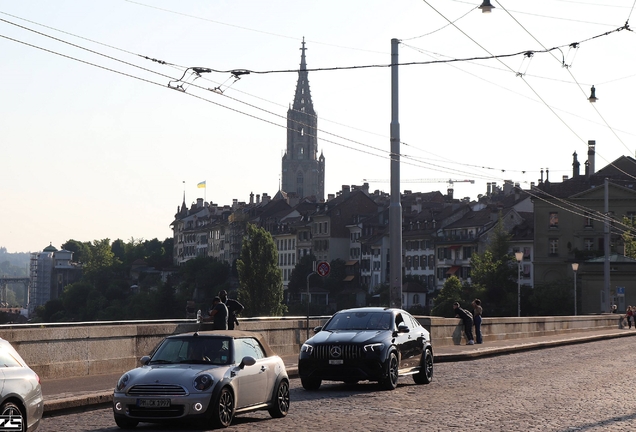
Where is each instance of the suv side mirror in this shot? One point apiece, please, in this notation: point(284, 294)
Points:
point(317, 329)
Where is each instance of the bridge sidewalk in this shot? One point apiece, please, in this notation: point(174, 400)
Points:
point(80, 393)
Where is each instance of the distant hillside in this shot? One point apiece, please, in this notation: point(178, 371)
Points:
point(14, 264)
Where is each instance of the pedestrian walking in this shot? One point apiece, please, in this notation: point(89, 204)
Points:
point(477, 312)
point(630, 316)
point(467, 319)
point(218, 315)
point(233, 307)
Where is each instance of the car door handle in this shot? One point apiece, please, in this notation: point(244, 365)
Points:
point(263, 368)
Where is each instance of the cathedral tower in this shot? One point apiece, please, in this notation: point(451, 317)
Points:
point(303, 171)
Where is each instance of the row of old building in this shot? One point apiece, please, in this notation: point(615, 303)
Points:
point(553, 224)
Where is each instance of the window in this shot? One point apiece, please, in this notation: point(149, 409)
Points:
point(408, 263)
point(416, 298)
point(468, 251)
point(554, 219)
point(416, 262)
point(589, 222)
point(588, 244)
point(554, 246)
point(423, 261)
point(247, 347)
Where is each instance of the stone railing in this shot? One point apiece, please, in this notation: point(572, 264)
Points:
point(93, 348)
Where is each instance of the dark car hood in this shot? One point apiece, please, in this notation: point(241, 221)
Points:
point(348, 336)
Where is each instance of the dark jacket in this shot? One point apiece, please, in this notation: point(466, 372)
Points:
point(464, 315)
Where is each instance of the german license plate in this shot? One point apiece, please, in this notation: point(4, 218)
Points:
point(336, 362)
point(153, 403)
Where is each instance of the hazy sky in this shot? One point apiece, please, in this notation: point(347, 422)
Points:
point(96, 145)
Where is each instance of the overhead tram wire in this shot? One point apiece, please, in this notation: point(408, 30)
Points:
point(229, 71)
point(198, 97)
point(624, 27)
point(427, 165)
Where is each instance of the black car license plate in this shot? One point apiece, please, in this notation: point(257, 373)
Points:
point(153, 403)
point(336, 362)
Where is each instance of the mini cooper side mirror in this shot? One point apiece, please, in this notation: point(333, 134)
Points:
point(247, 361)
point(144, 360)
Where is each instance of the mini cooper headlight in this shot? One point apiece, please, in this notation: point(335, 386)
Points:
point(122, 382)
point(203, 382)
point(375, 347)
point(306, 348)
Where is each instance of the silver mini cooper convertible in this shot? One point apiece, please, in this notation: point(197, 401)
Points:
point(203, 376)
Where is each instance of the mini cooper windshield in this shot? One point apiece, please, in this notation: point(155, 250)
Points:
point(351, 320)
point(201, 350)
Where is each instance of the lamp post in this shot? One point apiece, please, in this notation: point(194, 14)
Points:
point(519, 257)
point(575, 268)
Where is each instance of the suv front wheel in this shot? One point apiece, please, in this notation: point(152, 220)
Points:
point(392, 365)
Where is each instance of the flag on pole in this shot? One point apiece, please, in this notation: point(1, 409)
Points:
point(201, 185)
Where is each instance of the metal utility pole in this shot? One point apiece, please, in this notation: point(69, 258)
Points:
point(606, 263)
point(395, 207)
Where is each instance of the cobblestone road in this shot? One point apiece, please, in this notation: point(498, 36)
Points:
point(585, 387)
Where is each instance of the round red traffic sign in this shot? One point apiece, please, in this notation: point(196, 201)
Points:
point(323, 268)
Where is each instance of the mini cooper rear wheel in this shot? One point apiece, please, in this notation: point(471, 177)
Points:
point(391, 380)
point(311, 383)
point(280, 403)
point(223, 409)
point(425, 375)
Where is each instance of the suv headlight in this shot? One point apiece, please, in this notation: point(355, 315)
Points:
point(203, 382)
point(373, 348)
point(306, 348)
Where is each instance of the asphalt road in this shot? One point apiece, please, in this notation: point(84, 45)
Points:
point(583, 387)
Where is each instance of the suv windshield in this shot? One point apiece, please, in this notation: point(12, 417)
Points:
point(359, 321)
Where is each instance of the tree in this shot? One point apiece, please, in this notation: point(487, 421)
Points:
point(552, 298)
point(629, 239)
point(81, 250)
point(260, 279)
point(449, 294)
point(494, 274)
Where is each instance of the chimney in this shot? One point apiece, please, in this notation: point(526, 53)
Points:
point(488, 189)
point(258, 198)
point(265, 198)
point(575, 166)
point(346, 190)
point(547, 175)
point(591, 151)
point(565, 177)
point(541, 179)
point(251, 197)
point(450, 193)
point(199, 202)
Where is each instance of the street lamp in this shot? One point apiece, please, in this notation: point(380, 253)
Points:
point(519, 256)
point(575, 268)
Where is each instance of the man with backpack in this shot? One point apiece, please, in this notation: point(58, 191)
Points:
point(467, 319)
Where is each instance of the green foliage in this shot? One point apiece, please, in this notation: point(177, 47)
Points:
point(550, 299)
point(449, 294)
point(81, 251)
point(381, 296)
point(298, 279)
point(494, 275)
point(629, 239)
point(260, 279)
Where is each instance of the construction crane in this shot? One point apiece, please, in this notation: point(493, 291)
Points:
point(437, 180)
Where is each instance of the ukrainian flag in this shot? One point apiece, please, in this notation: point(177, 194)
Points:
point(201, 185)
